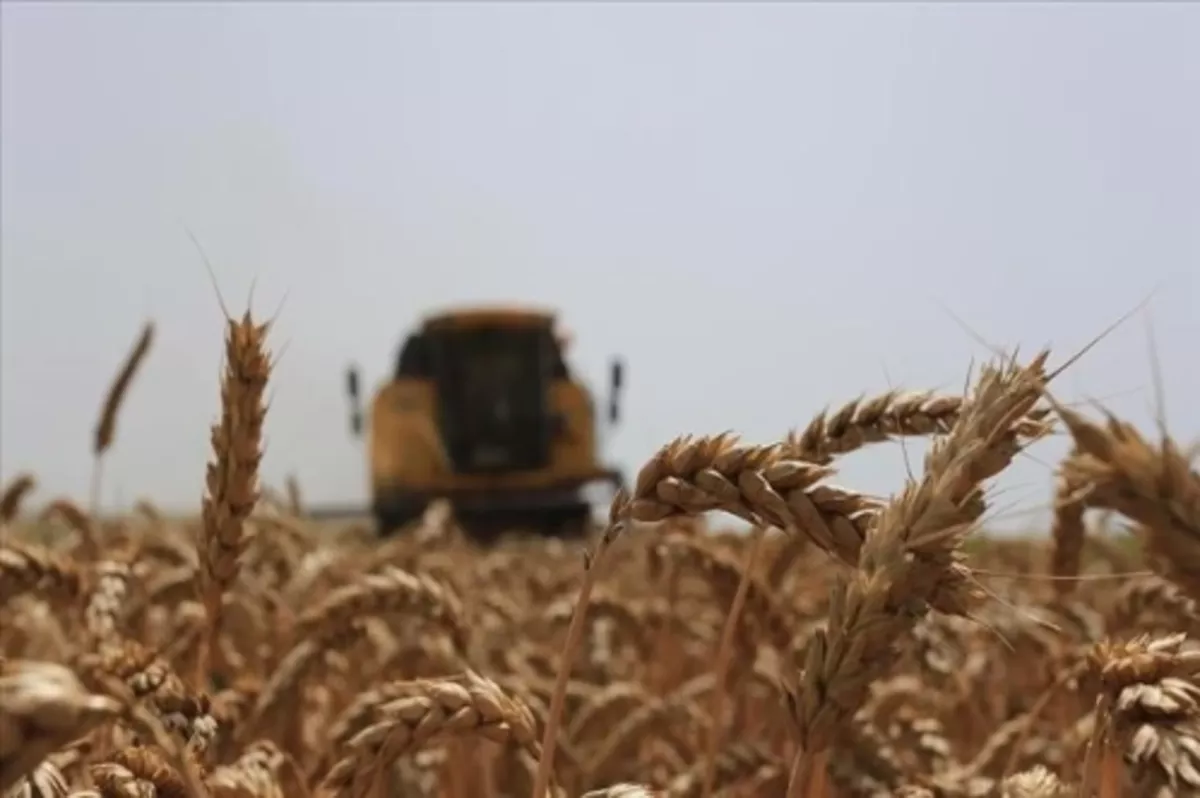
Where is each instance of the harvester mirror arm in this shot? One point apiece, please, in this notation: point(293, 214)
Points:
point(616, 383)
point(352, 392)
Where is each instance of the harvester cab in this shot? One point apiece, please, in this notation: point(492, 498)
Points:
point(482, 410)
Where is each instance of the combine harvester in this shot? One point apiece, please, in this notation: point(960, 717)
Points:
point(484, 412)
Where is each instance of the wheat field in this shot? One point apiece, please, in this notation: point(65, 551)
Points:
point(849, 645)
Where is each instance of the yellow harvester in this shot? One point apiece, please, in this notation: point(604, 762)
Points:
point(483, 411)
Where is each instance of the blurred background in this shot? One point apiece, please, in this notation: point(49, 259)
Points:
point(763, 208)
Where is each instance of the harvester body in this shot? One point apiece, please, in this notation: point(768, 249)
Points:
point(483, 411)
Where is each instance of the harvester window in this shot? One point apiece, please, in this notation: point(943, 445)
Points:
point(491, 387)
point(414, 361)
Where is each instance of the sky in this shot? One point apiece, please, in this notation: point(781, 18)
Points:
point(764, 209)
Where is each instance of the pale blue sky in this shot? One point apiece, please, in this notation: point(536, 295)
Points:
point(763, 207)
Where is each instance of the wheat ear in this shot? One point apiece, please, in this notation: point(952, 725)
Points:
point(1151, 484)
point(13, 495)
point(106, 425)
point(231, 482)
point(910, 563)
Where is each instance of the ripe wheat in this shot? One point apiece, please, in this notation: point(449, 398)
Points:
point(851, 645)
